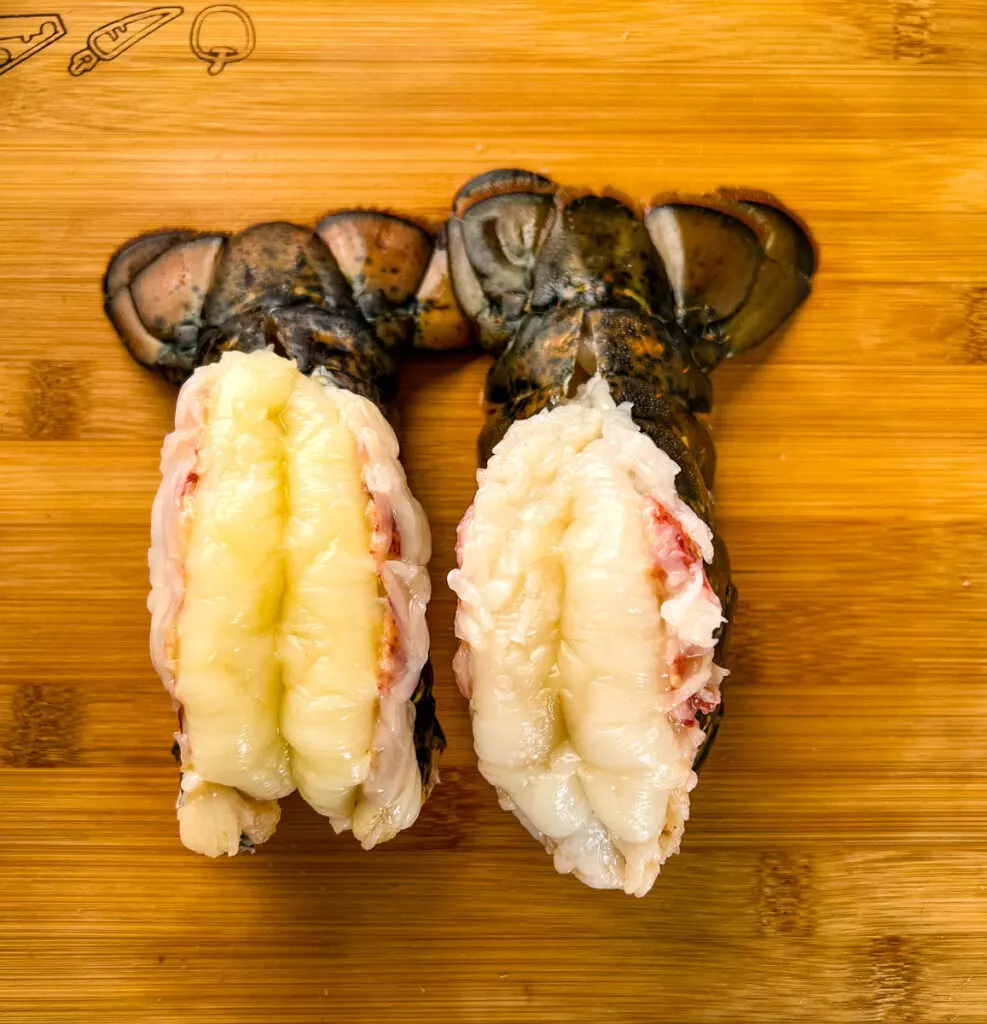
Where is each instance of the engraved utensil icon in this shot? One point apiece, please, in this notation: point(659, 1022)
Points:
point(115, 37)
point(218, 55)
point(24, 35)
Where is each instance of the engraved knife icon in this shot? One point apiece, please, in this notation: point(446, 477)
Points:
point(115, 37)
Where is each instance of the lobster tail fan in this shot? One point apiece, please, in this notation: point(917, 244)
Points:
point(342, 298)
point(155, 289)
point(384, 259)
point(738, 266)
point(269, 266)
point(500, 222)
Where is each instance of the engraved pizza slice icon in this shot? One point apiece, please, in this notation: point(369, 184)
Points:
point(24, 35)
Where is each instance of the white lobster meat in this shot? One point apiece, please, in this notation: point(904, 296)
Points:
point(587, 626)
point(288, 594)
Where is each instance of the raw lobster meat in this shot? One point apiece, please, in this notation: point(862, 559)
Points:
point(594, 598)
point(288, 557)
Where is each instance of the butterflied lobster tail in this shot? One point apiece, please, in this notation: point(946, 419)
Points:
point(594, 596)
point(288, 556)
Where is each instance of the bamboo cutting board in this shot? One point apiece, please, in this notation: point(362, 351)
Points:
point(835, 867)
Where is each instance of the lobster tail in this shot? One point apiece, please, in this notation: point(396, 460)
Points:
point(594, 597)
point(566, 287)
point(346, 543)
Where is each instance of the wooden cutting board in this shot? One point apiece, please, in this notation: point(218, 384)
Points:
point(835, 867)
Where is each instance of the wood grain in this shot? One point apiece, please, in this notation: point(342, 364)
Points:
point(834, 866)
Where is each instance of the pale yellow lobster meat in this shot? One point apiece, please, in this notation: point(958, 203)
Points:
point(288, 598)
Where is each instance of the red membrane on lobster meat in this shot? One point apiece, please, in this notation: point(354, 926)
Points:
point(594, 597)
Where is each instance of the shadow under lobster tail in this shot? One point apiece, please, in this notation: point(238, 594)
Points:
point(594, 597)
point(288, 556)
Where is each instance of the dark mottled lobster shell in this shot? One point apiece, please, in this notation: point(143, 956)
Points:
point(561, 286)
point(346, 297)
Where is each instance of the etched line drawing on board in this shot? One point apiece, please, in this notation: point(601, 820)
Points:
point(207, 45)
point(24, 35)
point(107, 42)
